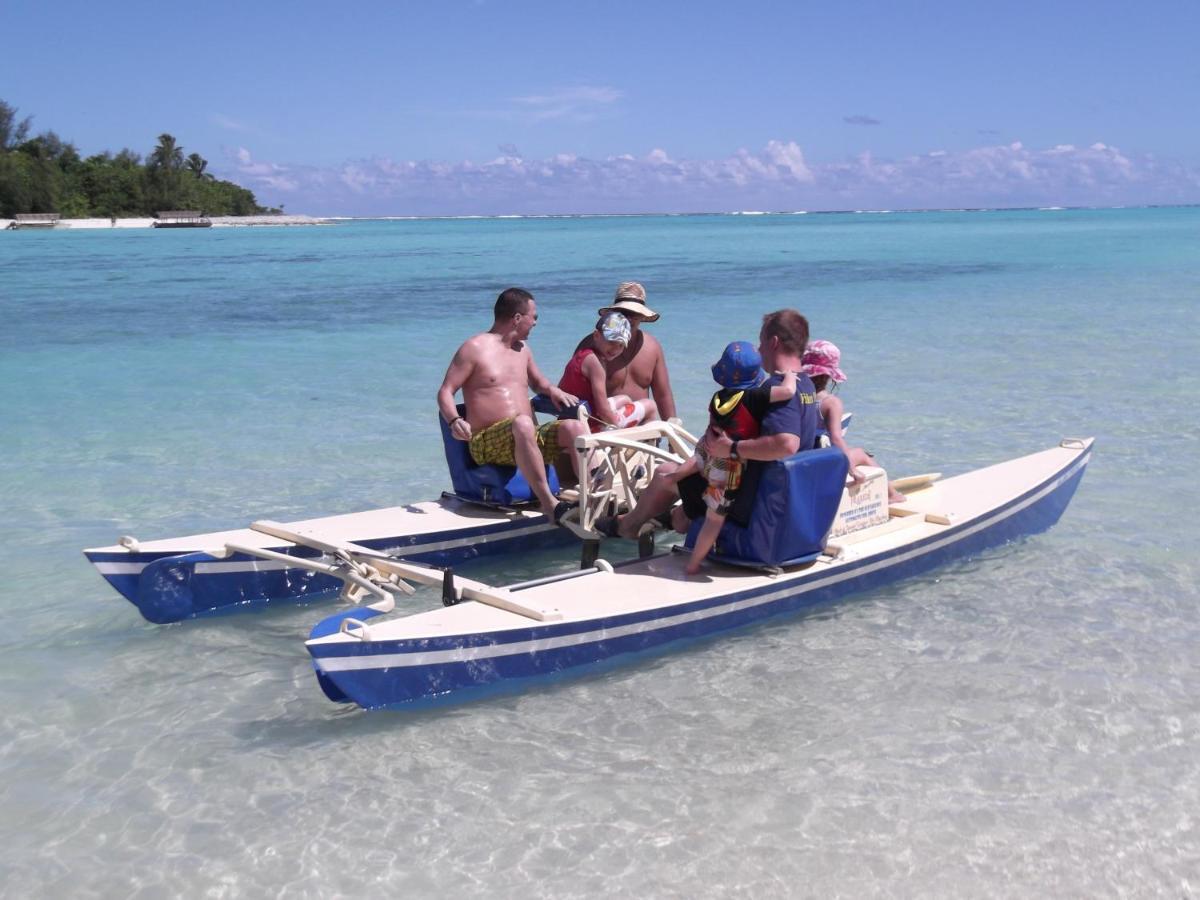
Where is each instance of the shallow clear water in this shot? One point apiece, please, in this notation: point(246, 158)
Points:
point(1016, 724)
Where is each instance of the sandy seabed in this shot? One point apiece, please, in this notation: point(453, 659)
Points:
point(218, 222)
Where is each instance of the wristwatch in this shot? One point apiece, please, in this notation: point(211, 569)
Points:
point(733, 454)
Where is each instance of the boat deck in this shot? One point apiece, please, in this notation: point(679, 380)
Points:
point(644, 586)
point(428, 517)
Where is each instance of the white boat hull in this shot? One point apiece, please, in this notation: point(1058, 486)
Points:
point(589, 617)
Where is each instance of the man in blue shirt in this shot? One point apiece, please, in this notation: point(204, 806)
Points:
point(787, 428)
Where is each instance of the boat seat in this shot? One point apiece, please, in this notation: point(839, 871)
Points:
point(491, 485)
point(794, 508)
point(542, 403)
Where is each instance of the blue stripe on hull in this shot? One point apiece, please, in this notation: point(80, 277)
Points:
point(398, 684)
point(169, 589)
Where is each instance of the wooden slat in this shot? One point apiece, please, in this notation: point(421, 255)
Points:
point(468, 590)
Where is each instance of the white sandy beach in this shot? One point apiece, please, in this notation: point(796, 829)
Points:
point(218, 222)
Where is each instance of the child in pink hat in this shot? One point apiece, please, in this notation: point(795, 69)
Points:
point(821, 362)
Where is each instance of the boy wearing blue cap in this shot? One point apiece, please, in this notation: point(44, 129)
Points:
point(736, 411)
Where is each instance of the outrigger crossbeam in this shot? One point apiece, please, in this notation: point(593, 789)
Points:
point(618, 466)
point(364, 572)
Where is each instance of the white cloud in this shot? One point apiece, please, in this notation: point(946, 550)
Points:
point(227, 123)
point(777, 177)
point(268, 174)
point(577, 104)
point(577, 95)
point(236, 125)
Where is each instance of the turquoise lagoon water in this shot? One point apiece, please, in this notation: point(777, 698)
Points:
point(1016, 724)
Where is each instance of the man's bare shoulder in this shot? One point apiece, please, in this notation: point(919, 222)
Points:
point(477, 345)
point(650, 346)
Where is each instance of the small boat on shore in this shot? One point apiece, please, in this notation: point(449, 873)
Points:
point(182, 218)
point(487, 636)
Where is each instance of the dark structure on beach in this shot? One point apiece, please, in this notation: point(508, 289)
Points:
point(182, 218)
point(34, 220)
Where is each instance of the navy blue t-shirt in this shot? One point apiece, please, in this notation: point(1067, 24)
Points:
point(798, 415)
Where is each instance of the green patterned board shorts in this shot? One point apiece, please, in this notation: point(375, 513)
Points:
point(495, 444)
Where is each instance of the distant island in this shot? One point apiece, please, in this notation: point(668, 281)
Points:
point(45, 174)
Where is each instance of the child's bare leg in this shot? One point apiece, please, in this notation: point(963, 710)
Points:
point(860, 457)
point(705, 540)
point(619, 404)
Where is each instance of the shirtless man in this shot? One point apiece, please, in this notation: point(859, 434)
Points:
point(495, 371)
point(641, 369)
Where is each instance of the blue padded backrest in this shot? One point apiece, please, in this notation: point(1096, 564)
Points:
point(502, 485)
point(793, 510)
point(543, 404)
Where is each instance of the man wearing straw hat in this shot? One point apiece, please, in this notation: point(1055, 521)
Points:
point(641, 369)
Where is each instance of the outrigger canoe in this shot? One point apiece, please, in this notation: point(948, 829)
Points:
point(489, 635)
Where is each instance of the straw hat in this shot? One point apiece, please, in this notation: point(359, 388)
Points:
point(631, 298)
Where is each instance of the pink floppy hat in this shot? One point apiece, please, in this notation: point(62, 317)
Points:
point(822, 358)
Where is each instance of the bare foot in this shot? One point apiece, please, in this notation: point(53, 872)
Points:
point(692, 568)
point(624, 530)
point(896, 497)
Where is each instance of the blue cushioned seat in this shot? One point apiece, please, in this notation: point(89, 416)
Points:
point(794, 508)
point(493, 485)
point(541, 403)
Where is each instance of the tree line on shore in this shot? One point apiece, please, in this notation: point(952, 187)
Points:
point(45, 174)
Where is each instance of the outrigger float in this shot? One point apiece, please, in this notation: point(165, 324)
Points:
point(200, 575)
point(813, 537)
point(487, 513)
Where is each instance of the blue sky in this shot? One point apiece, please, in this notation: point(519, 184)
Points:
point(492, 107)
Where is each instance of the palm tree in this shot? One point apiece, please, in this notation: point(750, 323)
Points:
point(167, 155)
point(12, 132)
point(196, 165)
point(164, 165)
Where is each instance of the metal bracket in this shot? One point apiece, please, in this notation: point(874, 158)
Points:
point(449, 594)
point(646, 543)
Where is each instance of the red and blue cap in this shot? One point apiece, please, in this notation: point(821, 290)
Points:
point(739, 368)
